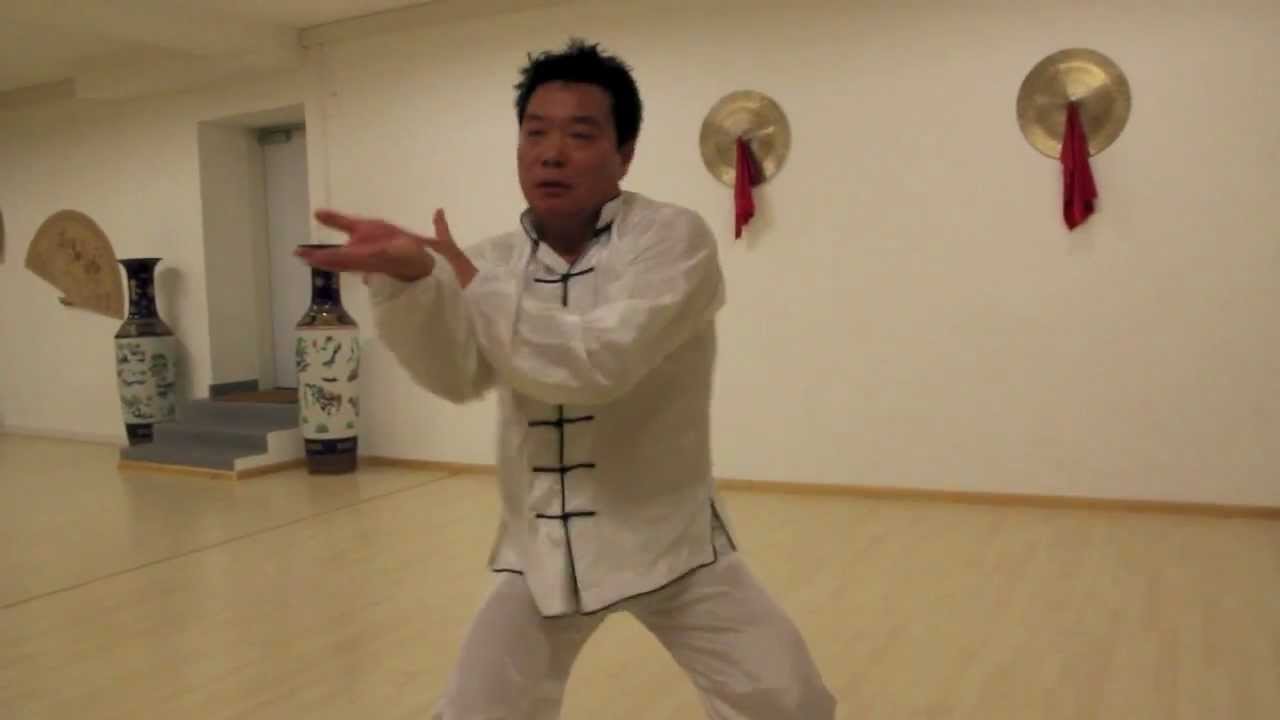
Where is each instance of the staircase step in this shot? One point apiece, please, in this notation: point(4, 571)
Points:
point(184, 454)
point(213, 434)
point(245, 439)
point(272, 416)
point(245, 425)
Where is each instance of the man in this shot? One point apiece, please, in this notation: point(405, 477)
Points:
point(594, 322)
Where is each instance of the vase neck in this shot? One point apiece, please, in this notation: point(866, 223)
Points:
point(142, 292)
point(325, 288)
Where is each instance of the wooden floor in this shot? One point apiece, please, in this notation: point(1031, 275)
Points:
point(143, 596)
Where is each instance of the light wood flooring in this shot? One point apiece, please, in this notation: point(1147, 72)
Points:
point(136, 596)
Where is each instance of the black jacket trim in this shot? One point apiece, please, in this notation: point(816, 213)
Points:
point(563, 281)
point(715, 512)
point(715, 557)
point(563, 469)
point(565, 515)
point(561, 422)
point(565, 277)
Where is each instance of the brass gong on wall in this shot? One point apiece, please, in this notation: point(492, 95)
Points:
point(754, 117)
point(1080, 75)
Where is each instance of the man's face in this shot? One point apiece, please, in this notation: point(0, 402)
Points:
point(568, 157)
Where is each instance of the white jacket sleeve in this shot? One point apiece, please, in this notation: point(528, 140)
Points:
point(669, 290)
point(425, 326)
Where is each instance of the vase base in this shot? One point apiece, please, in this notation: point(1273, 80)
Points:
point(332, 457)
point(139, 433)
point(331, 465)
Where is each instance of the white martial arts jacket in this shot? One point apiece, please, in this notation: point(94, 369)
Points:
point(604, 372)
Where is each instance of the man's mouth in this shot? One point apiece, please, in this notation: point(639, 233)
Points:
point(553, 185)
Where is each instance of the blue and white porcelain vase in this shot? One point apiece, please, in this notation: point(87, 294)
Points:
point(146, 357)
point(328, 362)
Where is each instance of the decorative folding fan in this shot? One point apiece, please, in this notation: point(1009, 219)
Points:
point(72, 253)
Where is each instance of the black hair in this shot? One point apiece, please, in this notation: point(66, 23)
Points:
point(581, 62)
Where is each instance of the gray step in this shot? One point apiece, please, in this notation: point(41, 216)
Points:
point(212, 434)
point(246, 424)
point(258, 415)
point(245, 438)
point(211, 457)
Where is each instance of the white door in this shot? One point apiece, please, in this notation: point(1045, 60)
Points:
point(288, 225)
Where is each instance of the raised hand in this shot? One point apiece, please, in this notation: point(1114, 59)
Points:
point(373, 246)
point(444, 244)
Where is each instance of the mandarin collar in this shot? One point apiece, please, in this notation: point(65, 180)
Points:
point(608, 215)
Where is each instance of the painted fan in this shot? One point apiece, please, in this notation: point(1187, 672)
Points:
point(72, 253)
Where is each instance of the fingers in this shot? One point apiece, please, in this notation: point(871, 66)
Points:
point(323, 259)
point(337, 221)
point(443, 241)
point(358, 230)
point(442, 227)
point(362, 231)
point(341, 258)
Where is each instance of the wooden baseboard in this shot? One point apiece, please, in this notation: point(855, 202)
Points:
point(143, 466)
point(263, 470)
point(208, 473)
point(69, 435)
point(365, 460)
point(973, 497)
point(270, 468)
point(451, 468)
point(1266, 512)
point(967, 497)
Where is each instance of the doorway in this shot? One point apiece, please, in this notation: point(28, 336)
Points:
point(288, 225)
point(256, 206)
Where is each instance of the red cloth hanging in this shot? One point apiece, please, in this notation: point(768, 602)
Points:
point(1078, 189)
point(747, 177)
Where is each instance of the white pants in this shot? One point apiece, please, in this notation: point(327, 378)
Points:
point(744, 655)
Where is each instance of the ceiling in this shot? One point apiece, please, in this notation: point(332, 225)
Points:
point(105, 49)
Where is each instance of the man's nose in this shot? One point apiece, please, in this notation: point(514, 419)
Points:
point(554, 154)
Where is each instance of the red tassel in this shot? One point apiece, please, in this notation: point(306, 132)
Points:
point(1078, 189)
point(747, 176)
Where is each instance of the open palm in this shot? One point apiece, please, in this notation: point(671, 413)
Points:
point(376, 246)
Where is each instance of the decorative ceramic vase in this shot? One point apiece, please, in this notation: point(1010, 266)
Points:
point(328, 362)
point(146, 357)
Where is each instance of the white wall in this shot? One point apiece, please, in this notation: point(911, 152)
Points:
point(233, 197)
point(288, 225)
point(134, 168)
point(909, 310)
